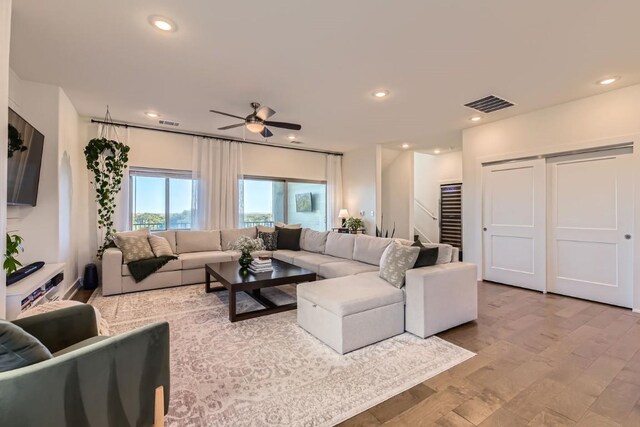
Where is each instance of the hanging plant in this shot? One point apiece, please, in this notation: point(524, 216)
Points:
point(15, 141)
point(107, 159)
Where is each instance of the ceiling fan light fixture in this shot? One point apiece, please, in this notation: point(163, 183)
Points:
point(255, 127)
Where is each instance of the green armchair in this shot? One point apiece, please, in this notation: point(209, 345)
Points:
point(91, 380)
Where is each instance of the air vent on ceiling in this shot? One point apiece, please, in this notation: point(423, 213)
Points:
point(489, 104)
point(168, 123)
point(296, 142)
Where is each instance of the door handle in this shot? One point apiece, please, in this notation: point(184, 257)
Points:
point(484, 228)
point(627, 236)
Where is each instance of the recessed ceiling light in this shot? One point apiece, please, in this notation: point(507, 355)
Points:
point(436, 151)
point(608, 80)
point(381, 93)
point(291, 137)
point(162, 23)
point(152, 115)
point(475, 118)
point(405, 145)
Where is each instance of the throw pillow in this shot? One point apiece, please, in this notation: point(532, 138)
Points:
point(270, 240)
point(160, 246)
point(395, 262)
point(289, 238)
point(19, 348)
point(134, 248)
point(426, 257)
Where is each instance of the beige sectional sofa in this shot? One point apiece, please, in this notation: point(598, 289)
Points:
point(353, 307)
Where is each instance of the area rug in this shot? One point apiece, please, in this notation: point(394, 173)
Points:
point(268, 371)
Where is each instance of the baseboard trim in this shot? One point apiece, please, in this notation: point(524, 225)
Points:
point(73, 289)
point(636, 310)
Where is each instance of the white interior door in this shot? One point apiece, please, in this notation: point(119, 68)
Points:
point(590, 252)
point(514, 223)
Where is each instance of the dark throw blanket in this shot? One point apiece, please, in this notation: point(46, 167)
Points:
point(144, 268)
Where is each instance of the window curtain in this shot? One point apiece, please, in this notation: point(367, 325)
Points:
point(334, 190)
point(217, 172)
point(121, 219)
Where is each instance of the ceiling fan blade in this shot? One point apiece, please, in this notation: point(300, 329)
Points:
point(283, 125)
point(265, 112)
point(231, 126)
point(266, 133)
point(227, 114)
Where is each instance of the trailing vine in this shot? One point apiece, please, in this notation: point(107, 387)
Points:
point(107, 159)
point(15, 141)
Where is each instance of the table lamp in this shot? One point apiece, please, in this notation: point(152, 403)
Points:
point(344, 214)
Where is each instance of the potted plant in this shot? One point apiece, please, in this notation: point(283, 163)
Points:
point(245, 245)
point(355, 224)
point(14, 247)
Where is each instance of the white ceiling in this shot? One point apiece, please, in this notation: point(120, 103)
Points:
point(316, 63)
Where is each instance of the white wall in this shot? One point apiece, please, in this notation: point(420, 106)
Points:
point(5, 34)
point(360, 173)
point(595, 121)
point(431, 171)
point(52, 229)
point(397, 192)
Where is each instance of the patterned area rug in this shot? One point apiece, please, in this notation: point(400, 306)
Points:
point(268, 371)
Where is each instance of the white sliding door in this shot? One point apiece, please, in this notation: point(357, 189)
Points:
point(590, 252)
point(514, 223)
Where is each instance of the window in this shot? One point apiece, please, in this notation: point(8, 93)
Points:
point(160, 199)
point(269, 200)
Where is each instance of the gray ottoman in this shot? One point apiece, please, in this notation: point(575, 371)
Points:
point(351, 312)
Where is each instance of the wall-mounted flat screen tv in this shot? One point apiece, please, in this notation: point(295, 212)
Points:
point(24, 160)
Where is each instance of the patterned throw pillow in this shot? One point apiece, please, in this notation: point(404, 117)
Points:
point(395, 262)
point(270, 240)
point(134, 248)
point(160, 246)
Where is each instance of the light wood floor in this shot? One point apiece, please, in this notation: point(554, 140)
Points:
point(543, 360)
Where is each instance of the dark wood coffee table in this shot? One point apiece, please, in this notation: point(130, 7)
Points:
point(234, 280)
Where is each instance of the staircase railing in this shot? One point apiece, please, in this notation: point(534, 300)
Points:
point(421, 206)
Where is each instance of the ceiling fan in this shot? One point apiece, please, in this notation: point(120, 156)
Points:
point(257, 122)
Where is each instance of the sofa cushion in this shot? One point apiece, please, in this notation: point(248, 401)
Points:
point(199, 259)
point(312, 262)
point(160, 246)
point(81, 344)
point(197, 241)
point(313, 241)
point(395, 262)
point(134, 247)
point(232, 234)
point(283, 225)
point(265, 229)
point(18, 348)
point(287, 255)
point(289, 238)
point(170, 236)
point(343, 268)
point(340, 245)
point(348, 295)
point(369, 249)
point(173, 265)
